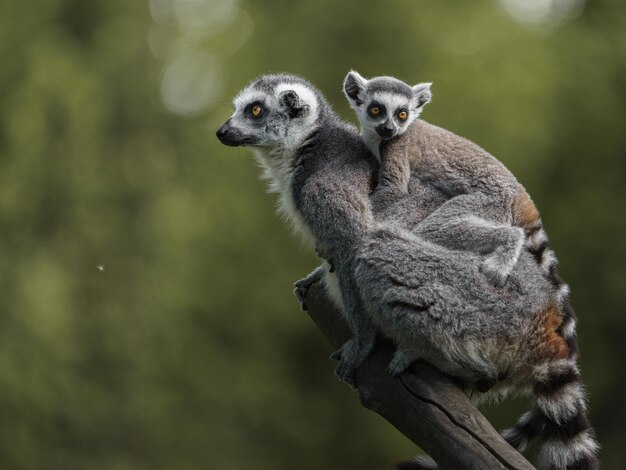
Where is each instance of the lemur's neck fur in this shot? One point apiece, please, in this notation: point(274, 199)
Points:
point(278, 166)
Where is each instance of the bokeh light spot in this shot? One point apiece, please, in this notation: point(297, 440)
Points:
point(192, 81)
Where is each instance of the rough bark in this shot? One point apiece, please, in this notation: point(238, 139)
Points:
point(424, 404)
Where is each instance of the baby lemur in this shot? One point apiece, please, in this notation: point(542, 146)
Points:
point(488, 209)
point(478, 215)
point(430, 300)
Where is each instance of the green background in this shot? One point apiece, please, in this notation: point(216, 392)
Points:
point(189, 351)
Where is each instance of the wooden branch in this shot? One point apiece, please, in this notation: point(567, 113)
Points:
point(425, 405)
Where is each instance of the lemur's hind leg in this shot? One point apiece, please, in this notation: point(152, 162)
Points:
point(407, 304)
point(352, 354)
point(470, 222)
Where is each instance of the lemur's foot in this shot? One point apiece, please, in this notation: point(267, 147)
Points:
point(498, 266)
point(400, 362)
point(346, 371)
point(351, 355)
point(301, 287)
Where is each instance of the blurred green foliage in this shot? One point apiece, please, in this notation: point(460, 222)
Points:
point(186, 349)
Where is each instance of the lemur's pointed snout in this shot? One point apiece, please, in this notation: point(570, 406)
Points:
point(231, 136)
point(222, 132)
point(385, 130)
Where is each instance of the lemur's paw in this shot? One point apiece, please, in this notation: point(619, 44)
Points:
point(495, 271)
point(400, 362)
point(301, 287)
point(336, 355)
point(300, 292)
point(346, 369)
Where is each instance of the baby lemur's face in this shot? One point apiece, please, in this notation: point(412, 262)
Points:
point(273, 112)
point(385, 106)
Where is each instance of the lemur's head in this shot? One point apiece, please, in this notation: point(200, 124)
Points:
point(385, 106)
point(275, 112)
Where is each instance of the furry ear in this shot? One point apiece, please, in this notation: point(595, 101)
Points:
point(422, 94)
point(293, 104)
point(353, 85)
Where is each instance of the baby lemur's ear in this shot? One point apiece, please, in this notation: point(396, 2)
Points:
point(353, 86)
point(294, 105)
point(422, 94)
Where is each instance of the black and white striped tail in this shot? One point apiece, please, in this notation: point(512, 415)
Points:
point(560, 417)
point(529, 426)
point(537, 244)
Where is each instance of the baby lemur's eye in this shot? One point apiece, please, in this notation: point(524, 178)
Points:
point(256, 110)
point(402, 115)
point(376, 110)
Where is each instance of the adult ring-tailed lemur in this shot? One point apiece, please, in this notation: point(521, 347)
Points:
point(432, 300)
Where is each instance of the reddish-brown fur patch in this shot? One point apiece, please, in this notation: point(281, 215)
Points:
point(524, 210)
point(550, 344)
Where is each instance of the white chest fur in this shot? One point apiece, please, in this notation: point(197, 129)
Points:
point(278, 171)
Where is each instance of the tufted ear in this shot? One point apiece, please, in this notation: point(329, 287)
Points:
point(422, 94)
point(353, 86)
point(290, 100)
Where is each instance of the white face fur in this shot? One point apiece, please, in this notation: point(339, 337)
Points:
point(272, 115)
point(385, 106)
point(275, 115)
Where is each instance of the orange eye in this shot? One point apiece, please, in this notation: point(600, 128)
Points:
point(256, 110)
point(374, 110)
point(403, 115)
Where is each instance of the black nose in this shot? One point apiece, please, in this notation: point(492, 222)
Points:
point(222, 132)
point(231, 136)
point(385, 132)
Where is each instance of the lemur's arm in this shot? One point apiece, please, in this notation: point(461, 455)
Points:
point(393, 181)
point(337, 209)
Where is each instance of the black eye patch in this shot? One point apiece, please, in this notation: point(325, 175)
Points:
point(376, 109)
point(402, 114)
point(254, 110)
